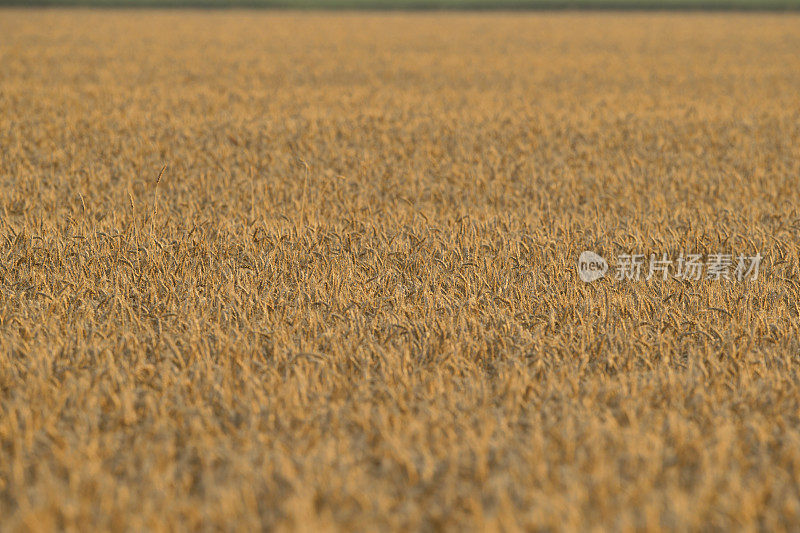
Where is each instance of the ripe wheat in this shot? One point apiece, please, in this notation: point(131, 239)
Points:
point(349, 297)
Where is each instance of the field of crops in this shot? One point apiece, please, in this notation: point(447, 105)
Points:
point(351, 299)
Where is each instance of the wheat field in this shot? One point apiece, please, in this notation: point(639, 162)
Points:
point(316, 271)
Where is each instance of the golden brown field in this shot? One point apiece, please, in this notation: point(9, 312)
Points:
point(352, 302)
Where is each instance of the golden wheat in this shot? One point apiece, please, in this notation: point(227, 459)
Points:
point(352, 300)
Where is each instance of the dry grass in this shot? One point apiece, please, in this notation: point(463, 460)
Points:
point(352, 300)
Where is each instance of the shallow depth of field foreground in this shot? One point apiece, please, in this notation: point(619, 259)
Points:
point(352, 300)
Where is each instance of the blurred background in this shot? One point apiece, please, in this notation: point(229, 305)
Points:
point(706, 5)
